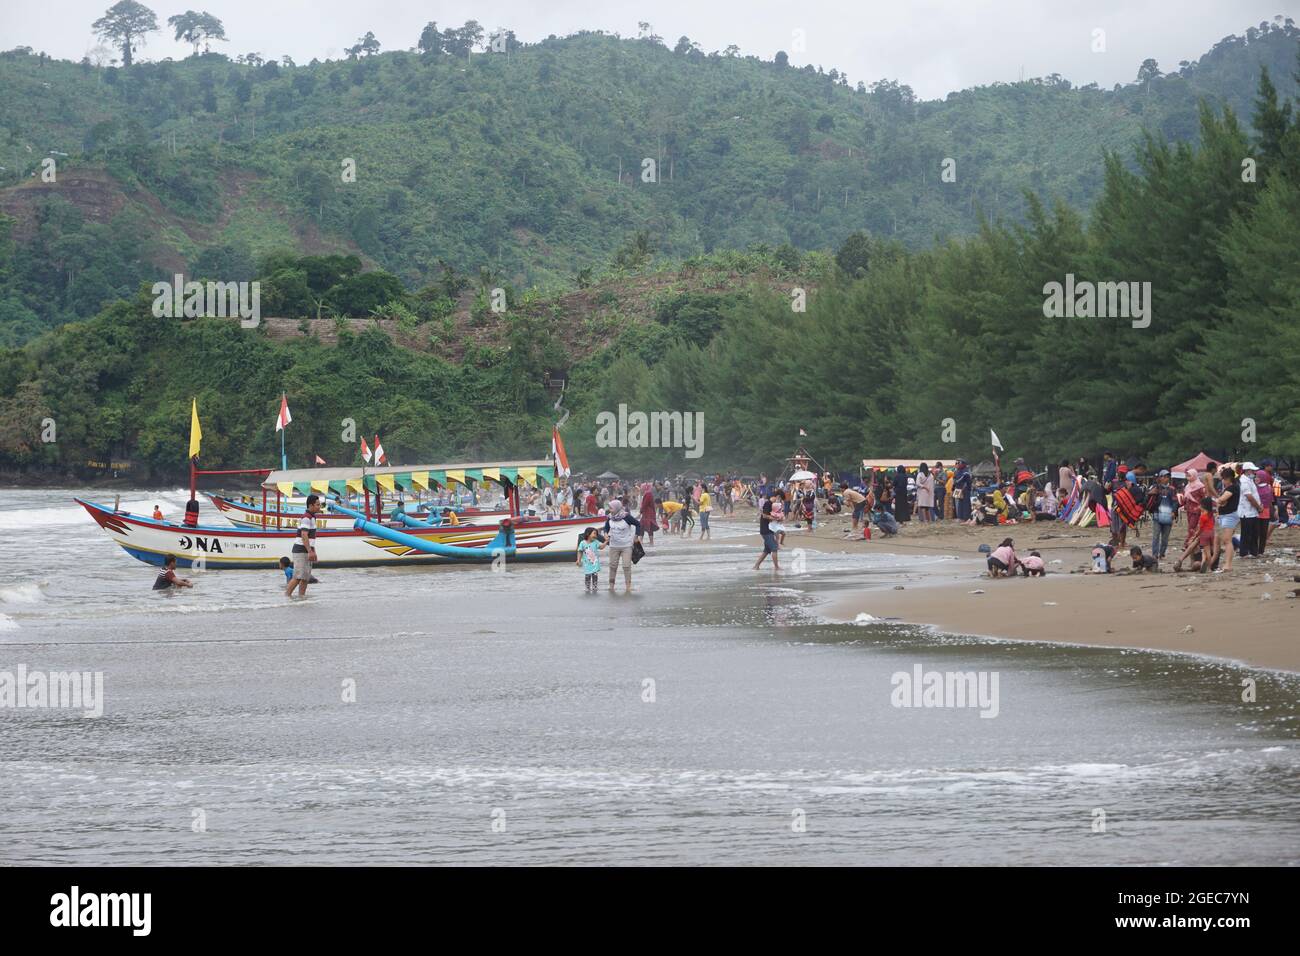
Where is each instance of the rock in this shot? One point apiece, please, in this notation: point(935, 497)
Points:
point(1266, 596)
point(1049, 604)
point(1189, 629)
point(899, 587)
point(863, 618)
point(985, 549)
point(1268, 579)
point(978, 591)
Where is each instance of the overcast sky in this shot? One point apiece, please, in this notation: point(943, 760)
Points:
point(935, 46)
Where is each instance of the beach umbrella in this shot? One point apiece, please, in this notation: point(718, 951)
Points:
point(802, 476)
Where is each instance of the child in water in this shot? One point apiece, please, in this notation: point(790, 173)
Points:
point(167, 579)
point(287, 567)
point(777, 524)
point(589, 559)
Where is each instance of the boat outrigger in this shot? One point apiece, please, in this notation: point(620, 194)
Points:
point(368, 542)
point(244, 512)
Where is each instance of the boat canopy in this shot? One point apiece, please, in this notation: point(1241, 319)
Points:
point(342, 481)
point(909, 464)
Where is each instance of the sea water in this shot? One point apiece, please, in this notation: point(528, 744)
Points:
point(713, 716)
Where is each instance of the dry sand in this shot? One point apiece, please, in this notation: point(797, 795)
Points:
point(1220, 615)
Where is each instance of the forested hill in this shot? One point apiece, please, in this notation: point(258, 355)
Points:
point(511, 161)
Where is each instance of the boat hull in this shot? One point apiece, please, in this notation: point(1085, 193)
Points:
point(226, 548)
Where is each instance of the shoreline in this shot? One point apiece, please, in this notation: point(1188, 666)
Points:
point(1228, 617)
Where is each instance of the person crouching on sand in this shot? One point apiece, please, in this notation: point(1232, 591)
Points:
point(1101, 557)
point(1002, 562)
point(1032, 566)
point(1143, 563)
point(1201, 539)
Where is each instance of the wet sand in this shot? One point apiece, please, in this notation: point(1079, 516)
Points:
point(1224, 616)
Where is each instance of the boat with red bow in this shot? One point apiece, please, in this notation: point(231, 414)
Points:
point(373, 537)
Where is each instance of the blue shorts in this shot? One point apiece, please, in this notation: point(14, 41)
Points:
point(769, 543)
point(1229, 521)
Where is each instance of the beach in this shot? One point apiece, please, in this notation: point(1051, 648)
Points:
point(713, 716)
point(1223, 616)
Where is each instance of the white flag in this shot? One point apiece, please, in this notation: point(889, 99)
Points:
point(996, 444)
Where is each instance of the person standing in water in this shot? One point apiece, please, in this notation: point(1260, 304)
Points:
point(621, 531)
point(765, 521)
point(304, 549)
point(167, 579)
point(648, 524)
point(589, 559)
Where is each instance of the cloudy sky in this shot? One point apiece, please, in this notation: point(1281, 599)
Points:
point(935, 46)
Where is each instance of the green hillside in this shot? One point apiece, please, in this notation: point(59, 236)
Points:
point(510, 161)
point(897, 343)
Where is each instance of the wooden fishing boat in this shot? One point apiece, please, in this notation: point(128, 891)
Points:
point(366, 543)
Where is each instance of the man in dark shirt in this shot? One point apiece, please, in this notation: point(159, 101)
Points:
point(1109, 468)
point(1142, 562)
point(769, 536)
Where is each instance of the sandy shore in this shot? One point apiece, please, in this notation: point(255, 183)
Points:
point(1218, 615)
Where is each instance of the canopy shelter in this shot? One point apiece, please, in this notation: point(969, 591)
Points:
point(607, 476)
point(1199, 463)
point(343, 481)
point(890, 464)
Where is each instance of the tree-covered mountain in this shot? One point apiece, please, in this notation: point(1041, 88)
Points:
point(530, 160)
point(876, 350)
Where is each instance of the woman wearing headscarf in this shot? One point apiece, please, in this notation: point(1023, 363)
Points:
point(621, 531)
point(961, 490)
point(1190, 500)
point(648, 523)
point(902, 509)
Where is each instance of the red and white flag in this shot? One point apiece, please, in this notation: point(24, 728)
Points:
point(558, 453)
point(320, 460)
point(380, 457)
point(365, 450)
point(284, 417)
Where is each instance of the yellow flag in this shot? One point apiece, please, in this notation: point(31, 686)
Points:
point(196, 430)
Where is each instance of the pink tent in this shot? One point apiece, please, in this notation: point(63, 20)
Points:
point(1199, 463)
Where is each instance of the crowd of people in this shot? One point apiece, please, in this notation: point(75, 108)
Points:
point(1229, 511)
